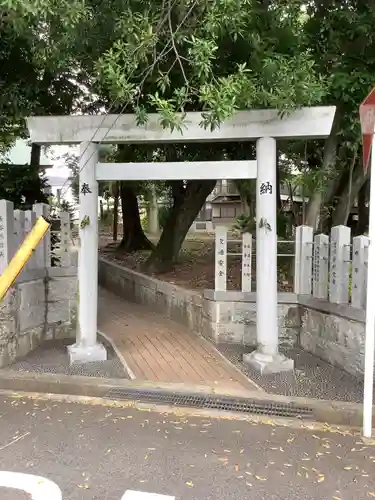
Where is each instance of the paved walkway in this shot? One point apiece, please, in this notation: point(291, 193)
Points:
point(160, 350)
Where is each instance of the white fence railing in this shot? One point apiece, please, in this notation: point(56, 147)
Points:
point(331, 268)
point(16, 224)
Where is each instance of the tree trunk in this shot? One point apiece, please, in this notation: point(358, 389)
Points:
point(115, 210)
point(185, 210)
point(363, 213)
point(329, 161)
point(101, 208)
point(133, 238)
point(342, 210)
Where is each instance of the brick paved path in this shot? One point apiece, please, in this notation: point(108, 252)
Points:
point(160, 350)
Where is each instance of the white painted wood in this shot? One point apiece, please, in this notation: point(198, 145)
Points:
point(303, 260)
point(320, 266)
point(315, 122)
point(359, 271)
point(221, 249)
point(368, 386)
point(7, 248)
point(43, 250)
point(38, 487)
point(65, 240)
point(339, 265)
point(247, 243)
point(30, 220)
point(142, 495)
point(187, 170)
point(266, 248)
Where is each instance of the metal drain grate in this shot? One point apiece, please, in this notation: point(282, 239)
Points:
point(241, 405)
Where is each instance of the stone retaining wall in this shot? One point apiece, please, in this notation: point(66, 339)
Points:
point(219, 316)
point(232, 317)
point(183, 306)
point(334, 333)
point(40, 306)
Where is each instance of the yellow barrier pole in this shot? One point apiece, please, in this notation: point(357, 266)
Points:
point(22, 255)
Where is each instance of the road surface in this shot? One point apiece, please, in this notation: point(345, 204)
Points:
point(101, 452)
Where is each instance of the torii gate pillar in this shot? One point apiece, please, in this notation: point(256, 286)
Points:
point(86, 347)
point(267, 359)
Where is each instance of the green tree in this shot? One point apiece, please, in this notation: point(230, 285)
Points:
point(211, 56)
point(341, 40)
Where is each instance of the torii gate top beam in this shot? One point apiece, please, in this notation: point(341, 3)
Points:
point(305, 123)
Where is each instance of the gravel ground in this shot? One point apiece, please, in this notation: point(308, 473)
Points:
point(311, 378)
point(52, 357)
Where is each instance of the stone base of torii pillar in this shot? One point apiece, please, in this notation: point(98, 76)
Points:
point(85, 354)
point(268, 363)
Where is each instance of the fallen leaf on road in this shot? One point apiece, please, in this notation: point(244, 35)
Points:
point(261, 478)
point(189, 483)
point(321, 479)
point(336, 498)
point(348, 467)
point(83, 486)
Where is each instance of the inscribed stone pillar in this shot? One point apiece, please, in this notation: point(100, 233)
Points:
point(339, 265)
point(320, 266)
point(221, 243)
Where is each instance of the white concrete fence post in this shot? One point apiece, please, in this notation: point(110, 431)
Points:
point(339, 265)
point(43, 250)
point(320, 266)
point(7, 248)
point(221, 260)
point(247, 243)
point(30, 220)
point(65, 240)
point(19, 231)
point(19, 228)
point(303, 260)
point(359, 271)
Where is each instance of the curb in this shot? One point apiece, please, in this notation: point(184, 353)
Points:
point(324, 411)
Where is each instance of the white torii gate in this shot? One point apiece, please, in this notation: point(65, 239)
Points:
point(262, 126)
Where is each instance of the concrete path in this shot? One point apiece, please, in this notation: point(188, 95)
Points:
point(101, 452)
point(157, 349)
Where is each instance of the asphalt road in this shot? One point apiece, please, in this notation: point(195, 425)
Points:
point(99, 452)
